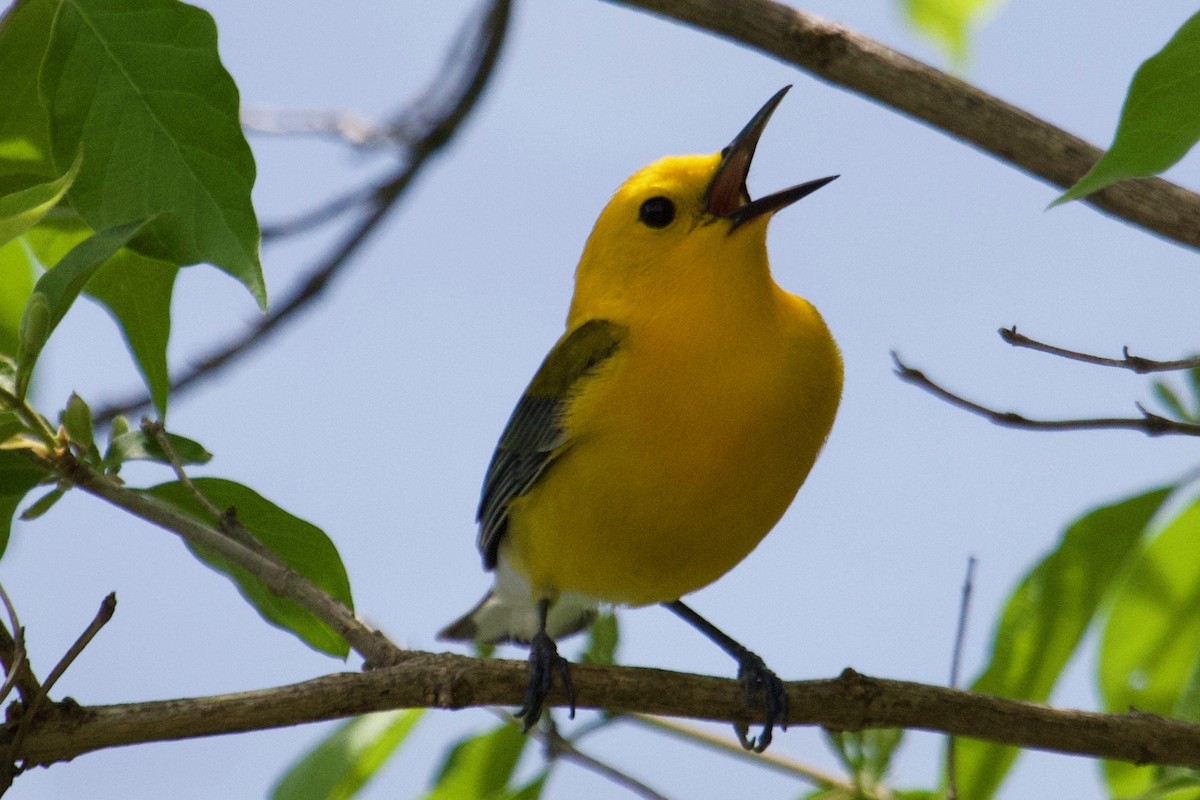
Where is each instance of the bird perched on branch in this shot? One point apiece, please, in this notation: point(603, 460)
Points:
point(668, 429)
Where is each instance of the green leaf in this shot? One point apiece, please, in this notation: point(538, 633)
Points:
point(43, 504)
point(77, 419)
point(57, 289)
point(138, 86)
point(1160, 120)
point(25, 199)
point(136, 291)
point(24, 123)
point(1046, 618)
point(867, 755)
point(17, 476)
point(16, 282)
point(948, 23)
point(137, 445)
point(602, 640)
point(301, 545)
point(1166, 395)
point(1151, 644)
point(480, 767)
point(342, 763)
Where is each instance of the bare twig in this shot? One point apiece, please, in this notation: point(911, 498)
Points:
point(960, 637)
point(14, 656)
point(849, 702)
point(156, 429)
point(771, 760)
point(443, 122)
point(1127, 361)
point(559, 748)
point(343, 126)
point(8, 769)
point(1149, 424)
point(855, 62)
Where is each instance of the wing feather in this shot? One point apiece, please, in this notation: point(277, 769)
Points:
point(535, 436)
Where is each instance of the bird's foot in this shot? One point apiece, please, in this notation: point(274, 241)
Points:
point(758, 681)
point(544, 661)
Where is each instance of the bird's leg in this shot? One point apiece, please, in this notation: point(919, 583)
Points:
point(544, 661)
point(754, 675)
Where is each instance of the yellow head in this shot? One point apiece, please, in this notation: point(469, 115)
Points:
point(682, 226)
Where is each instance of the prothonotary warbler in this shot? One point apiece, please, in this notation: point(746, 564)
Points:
point(668, 429)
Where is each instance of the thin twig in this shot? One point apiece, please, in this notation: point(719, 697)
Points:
point(1149, 424)
point(14, 656)
point(558, 747)
point(839, 55)
point(382, 200)
point(327, 211)
point(960, 637)
point(346, 127)
point(770, 760)
point(156, 429)
point(1127, 361)
point(34, 421)
point(107, 606)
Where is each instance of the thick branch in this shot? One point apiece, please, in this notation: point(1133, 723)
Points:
point(849, 702)
point(862, 65)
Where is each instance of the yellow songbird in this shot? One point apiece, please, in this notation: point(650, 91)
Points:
point(668, 429)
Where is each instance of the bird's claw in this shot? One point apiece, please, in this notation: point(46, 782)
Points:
point(544, 661)
point(757, 680)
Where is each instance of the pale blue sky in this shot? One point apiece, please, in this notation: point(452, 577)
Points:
point(375, 418)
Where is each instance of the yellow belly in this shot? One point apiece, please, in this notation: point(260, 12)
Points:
point(683, 453)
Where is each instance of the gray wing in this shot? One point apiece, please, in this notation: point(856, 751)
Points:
point(534, 436)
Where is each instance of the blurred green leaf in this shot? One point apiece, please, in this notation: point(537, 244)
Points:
point(136, 290)
point(57, 289)
point(138, 85)
point(43, 504)
point(1045, 619)
point(17, 476)
point(77, 419)
point(1150, 648)
point(948, 22)
point(24, 123)
point(1160, 120)
point(602, 640)
point(137, 445)
point(301, 545)
point(867, 755)
point(480, 767)
point(1166, 395)
point(25, 199)
point(343, 762)
point(16, 282)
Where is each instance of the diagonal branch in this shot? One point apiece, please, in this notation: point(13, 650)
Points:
point(1127, 361)
point(443, 121)
point(849, 702)
point(1149, 424)
point(838, 55)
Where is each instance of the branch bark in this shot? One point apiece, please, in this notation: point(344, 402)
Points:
point(838, 55)
point(849, 702)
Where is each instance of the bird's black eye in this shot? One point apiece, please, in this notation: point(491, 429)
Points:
point(657, 212)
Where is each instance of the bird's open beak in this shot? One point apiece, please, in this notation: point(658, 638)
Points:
point(727, 195)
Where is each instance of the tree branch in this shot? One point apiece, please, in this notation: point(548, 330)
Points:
point(442, 122)
point(849, 702)
point(1134, 363)
point(1149, 424)
point(848, 59)
point(373, 646)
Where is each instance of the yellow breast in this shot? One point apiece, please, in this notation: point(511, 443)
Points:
point(684, 450)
